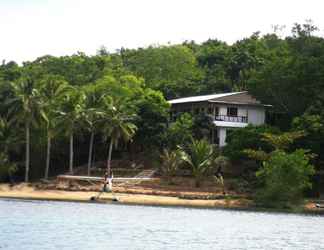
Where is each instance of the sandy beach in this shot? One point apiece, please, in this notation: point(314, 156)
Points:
point(24, 191)
point(27, 191)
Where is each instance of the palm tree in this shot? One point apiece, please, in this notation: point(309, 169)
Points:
point(8, 136)
point(53, 88)
point(9, 140)
point(118, 125)
point(170, 162)
point(200, 157)
point(93, 115)
point(25, 107)
point(70, 116)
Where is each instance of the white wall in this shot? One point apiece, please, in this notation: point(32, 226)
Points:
point(256, 115)
point(242, 111)
point(222, 110)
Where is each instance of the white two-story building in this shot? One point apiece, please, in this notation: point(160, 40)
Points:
point(228, 110)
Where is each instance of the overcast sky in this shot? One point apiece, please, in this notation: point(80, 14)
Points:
point(33, 28)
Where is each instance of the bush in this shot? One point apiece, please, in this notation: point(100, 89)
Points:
point(200, 157)
point(180, 132)
point(249, 137)
point(6, 168)
point(170, 162)
point(284, 177)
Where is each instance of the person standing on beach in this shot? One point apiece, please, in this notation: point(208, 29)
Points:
point(219, 178)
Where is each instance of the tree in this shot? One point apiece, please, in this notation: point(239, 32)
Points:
point(284, 176)
point(25, 107)
point(249, 137)
point(180, 132)
point(171, 69)
point(118, 125)
point(70, 116)
point(200, 158)
point(93, 115)
point(52, 90)
point(152, 118)
point(9, 140)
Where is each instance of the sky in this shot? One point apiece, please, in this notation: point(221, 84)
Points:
point(33, 28)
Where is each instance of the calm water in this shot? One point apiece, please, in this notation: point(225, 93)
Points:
point(58, 225)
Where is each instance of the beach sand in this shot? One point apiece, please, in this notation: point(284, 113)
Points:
point(30, 192)
point(27, 191)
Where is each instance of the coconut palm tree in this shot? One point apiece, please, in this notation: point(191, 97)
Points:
point(52, 90)
point(118, 125)
point(200, 158)
point(25, 107)
point(93, 115)
point(70, 116)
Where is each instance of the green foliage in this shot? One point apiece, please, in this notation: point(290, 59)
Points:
point(170, 69)
point(285, 72)
point(170, 162)
point(282, 141)
point(250, 137)
point(284, 176)
point(7, 168)
point(199, 157)
point(118, 122)
point(180, 132)
point(152, 117)
point(313, 127)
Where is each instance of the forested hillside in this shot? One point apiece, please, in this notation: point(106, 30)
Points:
point(60, 102)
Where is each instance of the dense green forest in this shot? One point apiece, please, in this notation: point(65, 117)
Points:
point(52, 104)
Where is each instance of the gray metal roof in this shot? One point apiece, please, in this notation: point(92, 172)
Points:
point(202, 98)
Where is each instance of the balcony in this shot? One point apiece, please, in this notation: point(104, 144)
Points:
point(226, 118)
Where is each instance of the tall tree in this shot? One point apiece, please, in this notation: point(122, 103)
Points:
point(118, 126)
point(71, 115)
point(93, 114)
point(25, 107)
point(52, 90)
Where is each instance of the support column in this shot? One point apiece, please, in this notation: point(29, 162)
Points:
point(222, 136)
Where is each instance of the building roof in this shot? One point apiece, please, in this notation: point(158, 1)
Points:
point(202, 98)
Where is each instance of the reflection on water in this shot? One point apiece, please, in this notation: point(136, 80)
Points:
point(60, 225)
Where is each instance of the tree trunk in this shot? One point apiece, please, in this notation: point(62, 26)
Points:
point(27, 152)
point(90, 152)
point(71, 154)
point(109, 156)
point(48, 157)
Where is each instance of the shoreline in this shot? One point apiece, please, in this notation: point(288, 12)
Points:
point(30, 193)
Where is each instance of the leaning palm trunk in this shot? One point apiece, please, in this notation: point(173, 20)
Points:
point(27, 152)
point(109, 156)
point(48, 157)
point(90, 152)
point(71, 154)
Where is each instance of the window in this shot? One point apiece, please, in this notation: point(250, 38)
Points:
point(231, 111)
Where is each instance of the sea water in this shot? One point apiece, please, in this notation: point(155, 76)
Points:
point(33, 225)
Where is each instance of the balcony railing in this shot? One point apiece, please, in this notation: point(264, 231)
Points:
point(226, 118)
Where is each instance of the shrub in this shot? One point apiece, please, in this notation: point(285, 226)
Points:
point(180, 132)
point(200, 158)
point(249, 137)
point(6, 168)
point(284, 177)
point(171, 160)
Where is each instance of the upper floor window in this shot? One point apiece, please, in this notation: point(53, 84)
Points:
point(231, 111)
